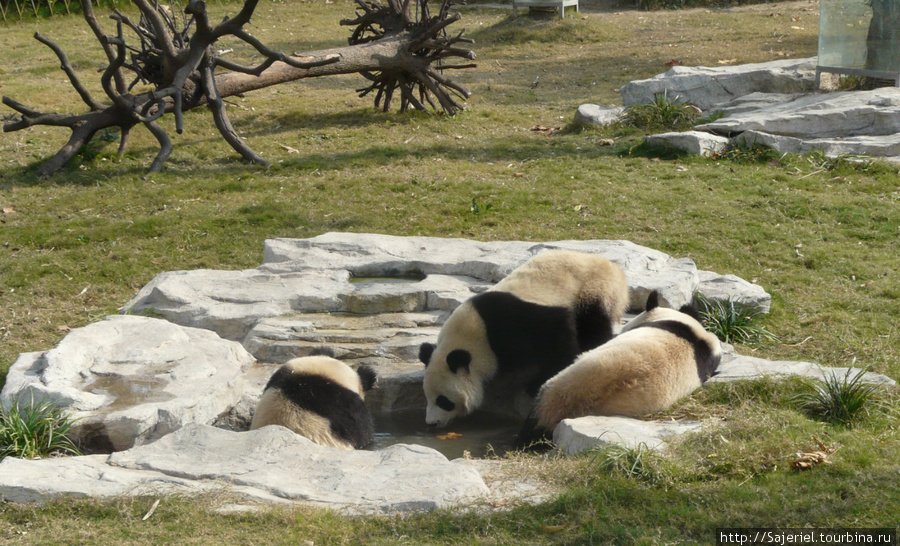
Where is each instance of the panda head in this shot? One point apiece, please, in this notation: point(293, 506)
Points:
point(323, 364)
point(457, 367)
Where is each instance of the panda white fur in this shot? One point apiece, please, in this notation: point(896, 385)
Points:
point(529, 326)
point(320, 398)
point(659, 357)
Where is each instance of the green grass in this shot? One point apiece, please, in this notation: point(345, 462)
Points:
point(821, 236)
point(635, 463)
point(35, 429)
point(733, 322)
point(663, 114)
point(840, 400)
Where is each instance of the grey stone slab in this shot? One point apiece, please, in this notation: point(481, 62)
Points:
point(369, 255)
point(824, 115)
point(592, 114)
point(708, 87)
point(283, 464)
point(691, 142)
point(756, 101)
point(270, 464)
point(131, 380)
point(314, 276)
point(585, 433)
point(731, 287)
point(736, 367)
point(231, 302)
point(86, 476)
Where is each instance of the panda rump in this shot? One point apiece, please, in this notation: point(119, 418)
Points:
point(320, 398)
point(661, 356)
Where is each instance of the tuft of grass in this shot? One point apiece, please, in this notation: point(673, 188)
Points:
point(849, 162)
point(839, 400)
point(751, 152)
point(663, 113)
point(35, 430)
point(635, 463)
point(711, 117)
point(731, 321)
point(477, 209)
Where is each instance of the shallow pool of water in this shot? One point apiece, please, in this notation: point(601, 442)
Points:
point(386, 280)
point(480, 434)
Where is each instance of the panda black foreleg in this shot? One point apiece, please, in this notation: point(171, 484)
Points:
point(532, 438)
point(592, 325)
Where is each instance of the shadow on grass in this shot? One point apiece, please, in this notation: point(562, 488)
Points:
point(514, 147)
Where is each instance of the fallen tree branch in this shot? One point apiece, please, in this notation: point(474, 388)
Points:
point(396, 49)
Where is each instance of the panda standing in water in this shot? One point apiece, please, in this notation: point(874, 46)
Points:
point(320, 398)
point(659, 357)
point(529, 326)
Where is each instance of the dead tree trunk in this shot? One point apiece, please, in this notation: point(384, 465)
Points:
point(388, 46)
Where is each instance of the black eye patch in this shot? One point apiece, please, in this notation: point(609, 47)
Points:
point(444, 403)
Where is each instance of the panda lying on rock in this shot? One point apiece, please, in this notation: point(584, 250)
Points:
point(659, 357)
point(320, 398)
point(530, 325)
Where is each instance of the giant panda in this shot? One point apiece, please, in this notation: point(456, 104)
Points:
point(320, 398)
point(530, 325)
point(659, 357)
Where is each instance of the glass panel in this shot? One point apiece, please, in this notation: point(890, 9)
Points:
point(860, 34)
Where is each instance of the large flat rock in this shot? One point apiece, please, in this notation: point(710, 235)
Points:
point(586, 433)
point(773, 104)
point(735, 367)
point(368, 255)
point(709, 87)
point(884, 147)
point(815, 116)
point(399, 274)
point(271, 463)
point(131, 380)
point(40, 480)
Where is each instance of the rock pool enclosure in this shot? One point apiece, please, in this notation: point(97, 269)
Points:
point(168, 386)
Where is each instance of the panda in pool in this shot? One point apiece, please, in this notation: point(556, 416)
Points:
point(321, 398)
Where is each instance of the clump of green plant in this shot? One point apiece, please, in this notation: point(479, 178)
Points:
point(839, 400)
point(35, 430)
point(731, 321)
point(635, 463)
point(711, 117)
point(662, 113)
point(751, 152)
point(862, 83)
point(478, 209)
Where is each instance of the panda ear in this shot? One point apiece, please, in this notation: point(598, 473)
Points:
point(458, 359)
point(323, 351)
point(425, 351)
point(691, 310)
point(367, 377)
point(652, 301)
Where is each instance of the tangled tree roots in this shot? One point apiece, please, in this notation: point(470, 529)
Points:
point(398, 46)
point(430, 43)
